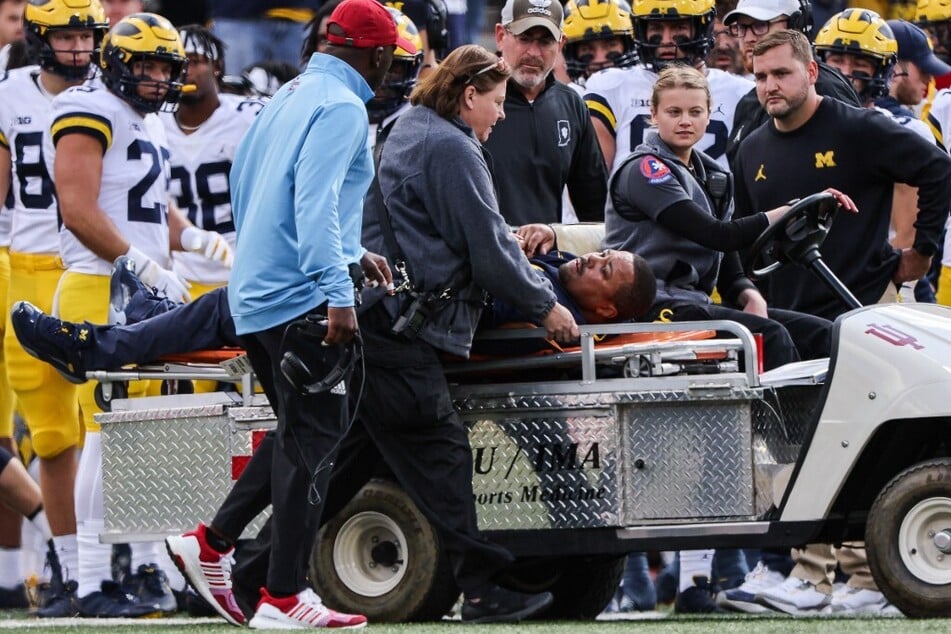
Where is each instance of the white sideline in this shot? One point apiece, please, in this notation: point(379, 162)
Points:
point(19, 624)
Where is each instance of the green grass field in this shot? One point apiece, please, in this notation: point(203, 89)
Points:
point(18, 621)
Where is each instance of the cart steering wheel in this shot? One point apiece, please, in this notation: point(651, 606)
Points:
point(796, 237)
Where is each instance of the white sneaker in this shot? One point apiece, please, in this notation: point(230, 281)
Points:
point(848, 601)
point(302, 611)
point(794, 596)
point(207, 571)
point(743, 597)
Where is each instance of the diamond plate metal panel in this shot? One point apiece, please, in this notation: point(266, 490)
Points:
point(166, 469)
point(782, 421)
point(555, 471)
point(691, 461)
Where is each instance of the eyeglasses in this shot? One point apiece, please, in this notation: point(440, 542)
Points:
point(498, 65)
point(758, 28)
point(523, 39)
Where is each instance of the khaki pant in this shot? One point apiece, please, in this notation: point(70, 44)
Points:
point(816, 564)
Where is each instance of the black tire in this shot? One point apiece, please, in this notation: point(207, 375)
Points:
point(582, 586)
point(380, 557)
point(906, 564)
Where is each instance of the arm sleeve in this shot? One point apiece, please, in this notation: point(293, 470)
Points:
point(662, 198)
point(319, 176)
point(687, 219)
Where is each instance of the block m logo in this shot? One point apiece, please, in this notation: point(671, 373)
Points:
point(825, 159)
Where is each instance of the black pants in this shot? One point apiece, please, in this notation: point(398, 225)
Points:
point(787, 335)
point(291, 470)
point(406, 419)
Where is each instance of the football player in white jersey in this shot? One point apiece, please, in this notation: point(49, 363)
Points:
point(108, 154)
point(202, 136)
point(65, 38)
point(665, 32)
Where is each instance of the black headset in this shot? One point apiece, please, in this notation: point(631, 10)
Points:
point(437, 25)
point(801, 20)
point(304, 339)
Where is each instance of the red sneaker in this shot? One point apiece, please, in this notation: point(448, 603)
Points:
point(304, 610)
point(207, 570)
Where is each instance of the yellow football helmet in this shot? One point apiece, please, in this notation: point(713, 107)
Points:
point(931, 11)
point(43, 16)
point(699, 12)
point(138, 37)
point(404, 71)
point(864, 33)
point(934, 16)
point(587, 20)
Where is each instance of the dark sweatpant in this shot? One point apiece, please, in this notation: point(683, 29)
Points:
point(294, 467)
point(405, 419)
point(204, 324)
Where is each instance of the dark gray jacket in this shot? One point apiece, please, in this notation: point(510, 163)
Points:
point(685, 270)
point(438, 189)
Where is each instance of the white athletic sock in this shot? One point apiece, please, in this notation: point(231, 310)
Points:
point(95, 559)
point(694, 563)
point(32, 552)
point(42, 525)
point(10, 567)
point(67, 550)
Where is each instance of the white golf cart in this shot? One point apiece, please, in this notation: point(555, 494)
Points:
point(657, 437)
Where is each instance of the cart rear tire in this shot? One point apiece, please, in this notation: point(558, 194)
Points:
point(908, 540)
point(380, 557)
point(582, 586)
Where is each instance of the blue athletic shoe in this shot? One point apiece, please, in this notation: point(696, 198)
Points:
point(58, 601)
point(150, 585)
point(697, 599)
point(112, 602)
point(14, 598)
point(57, 342)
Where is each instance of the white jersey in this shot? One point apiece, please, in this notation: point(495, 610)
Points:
point(917, 126)
point(135, 172)
point(939, 120)
point(939, 116)
point(621, 99)
point(200, 164)
point(24, 116)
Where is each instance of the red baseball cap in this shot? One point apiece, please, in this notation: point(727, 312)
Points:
point(365, 24)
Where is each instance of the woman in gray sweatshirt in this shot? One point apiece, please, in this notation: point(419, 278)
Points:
point(439, 199)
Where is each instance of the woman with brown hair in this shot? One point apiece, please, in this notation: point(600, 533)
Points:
point(449, 246)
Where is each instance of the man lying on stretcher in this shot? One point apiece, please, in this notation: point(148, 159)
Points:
point(597, 288)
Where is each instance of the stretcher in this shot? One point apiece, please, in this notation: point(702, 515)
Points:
point(204, 440)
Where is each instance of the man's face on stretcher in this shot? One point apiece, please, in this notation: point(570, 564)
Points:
point(594, 280)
